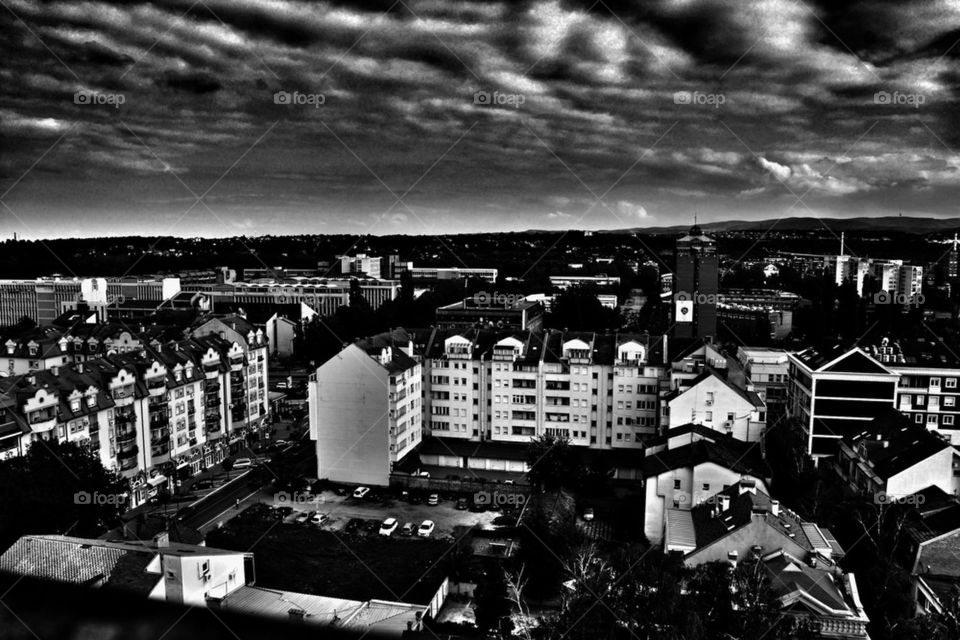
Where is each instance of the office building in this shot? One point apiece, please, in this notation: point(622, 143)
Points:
point(695, 286)
point(496, 311)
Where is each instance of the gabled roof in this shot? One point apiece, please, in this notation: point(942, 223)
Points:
point(65, 559)
point(892, 443)
point(726, 451)
point(750, 396)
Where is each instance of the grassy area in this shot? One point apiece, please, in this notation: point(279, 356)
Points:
point(356, 566)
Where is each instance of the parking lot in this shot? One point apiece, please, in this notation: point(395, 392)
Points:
point(341, 510)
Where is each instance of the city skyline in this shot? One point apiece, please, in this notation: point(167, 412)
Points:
point(440, 117)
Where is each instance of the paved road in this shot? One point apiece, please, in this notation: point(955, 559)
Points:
point(222, 503)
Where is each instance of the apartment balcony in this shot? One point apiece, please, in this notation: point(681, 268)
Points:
point(158, 420)
point(159, 450)
point(556, 385)
point(124, 419)
point(211, 367)
point(128, 452)
point(127, 464)
point(525, 384)
point(159, 436)
point(157, 386)
point(127, 439)
point(211, 386)
point(557, 402)
point(43, 421)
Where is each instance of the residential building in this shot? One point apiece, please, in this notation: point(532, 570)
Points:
point(834, 391)
point(366, 409)
point(712, 400)
point(736, 520)
point(893, 457)
point(768, 370)
point(931, 557)
point(695, 286)
point(927, 392)
point(281, 335)
point(375, 267)
point(690, 464)
point(155, 415)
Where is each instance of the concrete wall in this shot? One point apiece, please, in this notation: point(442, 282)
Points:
point(349, 417)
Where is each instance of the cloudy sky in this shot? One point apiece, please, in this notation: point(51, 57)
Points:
point(419, 116)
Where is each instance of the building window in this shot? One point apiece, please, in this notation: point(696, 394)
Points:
point(951, 383)
point(706, 486)
point(919, 400)
point(676, 484)
point(934, 382)
point(947, 420)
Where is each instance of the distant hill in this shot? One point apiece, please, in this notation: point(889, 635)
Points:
point(900, 224)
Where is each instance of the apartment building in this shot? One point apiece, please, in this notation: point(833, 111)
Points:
point(713, 401)
point(768, 370)
point(894, 457)
point(366, 409)
point(834, 391)
point(154, 415)
point(927, 391)
point(690, 464)
point(433, 275)
point(247, 396)
point(600, 391)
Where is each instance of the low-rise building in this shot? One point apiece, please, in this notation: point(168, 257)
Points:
point(689, 465)
point(893, 458)
point(712, 400)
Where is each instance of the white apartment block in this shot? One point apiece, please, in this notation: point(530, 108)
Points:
point(366, 410)
point(715, 402)
point(154, 415)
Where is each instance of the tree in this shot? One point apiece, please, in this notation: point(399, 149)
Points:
point(553, 463)
point(548, 537)
point(59, 487)
point(492, 601)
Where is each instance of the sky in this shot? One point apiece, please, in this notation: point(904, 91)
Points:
point(252, 117)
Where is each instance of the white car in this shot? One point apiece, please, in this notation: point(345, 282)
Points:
point(388, 527)
point(242, 463)
point(361, 492)
point(426, 529)
point(588, 514)
point(301, 517)
point(319, 518)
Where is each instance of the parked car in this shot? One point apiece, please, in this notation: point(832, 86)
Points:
point(433, 500)
point(588, 514)
point(340, 491)
point(282, 512)
point(462, 504)
point(361, 492)
point(426, 529)
point(319, 518)
point(282, 443)
point(242, 463)
point(388, 526)
point(408, 529)
point(303, 517)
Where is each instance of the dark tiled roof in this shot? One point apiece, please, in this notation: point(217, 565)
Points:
point(726, 451)
point(892, 443)
point(67, 559)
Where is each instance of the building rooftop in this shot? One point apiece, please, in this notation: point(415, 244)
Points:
point(892, 443)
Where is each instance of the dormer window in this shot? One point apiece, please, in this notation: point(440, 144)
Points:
point(75, 405)
point(33, 349)
point(92, 400)
point(178, 375)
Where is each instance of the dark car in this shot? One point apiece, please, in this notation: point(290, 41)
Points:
point(354, 524)
point(282, 512)
point(185, 513)
point(462, 504)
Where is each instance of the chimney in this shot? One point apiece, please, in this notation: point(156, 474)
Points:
point(297, 614)
point(79, 367)
point(775, 507)
point(163, 539)
point(55, 371)
point(724, 502)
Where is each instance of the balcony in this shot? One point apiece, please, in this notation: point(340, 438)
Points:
point(557, 385)
point(156, 386)
point(129, 453)
point(211, 386)
point(159, 436)
point(43, 420)
point(158, 420)
point(128, 464)
point(123, 397)
point(158, 450)
point(127, 439)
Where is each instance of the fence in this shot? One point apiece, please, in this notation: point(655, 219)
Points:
point(464, 486)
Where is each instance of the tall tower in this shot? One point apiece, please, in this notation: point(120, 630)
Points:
point(695, 286)
point(952, 260)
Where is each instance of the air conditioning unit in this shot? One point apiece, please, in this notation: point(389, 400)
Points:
point(709, 403)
